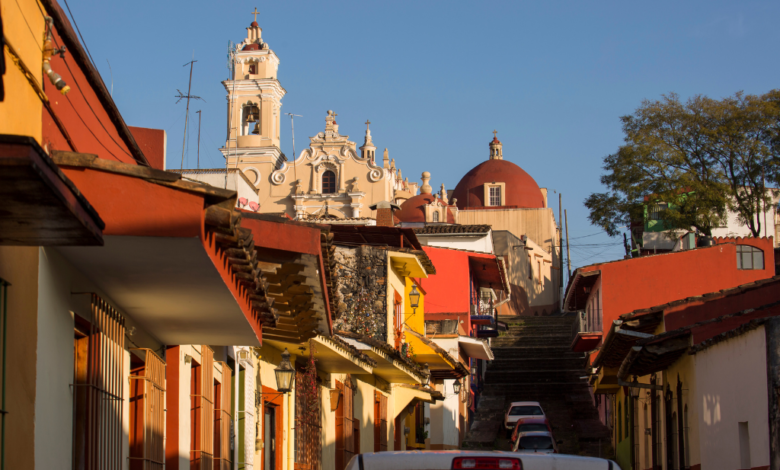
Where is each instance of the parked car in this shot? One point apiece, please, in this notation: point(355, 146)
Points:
point(466, 460)
point(521, 409)
point(536, 442)
point(530, 424)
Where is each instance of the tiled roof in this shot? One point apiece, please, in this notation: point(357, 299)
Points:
point(436, 229)
point(740, 330)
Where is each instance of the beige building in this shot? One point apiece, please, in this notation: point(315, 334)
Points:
point(332, 179)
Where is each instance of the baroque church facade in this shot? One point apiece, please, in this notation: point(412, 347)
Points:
point(331, 179)
point(335, 181)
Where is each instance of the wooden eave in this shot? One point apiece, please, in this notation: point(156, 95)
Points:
point(41, 206)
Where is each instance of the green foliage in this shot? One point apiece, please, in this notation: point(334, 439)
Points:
point(702, 157)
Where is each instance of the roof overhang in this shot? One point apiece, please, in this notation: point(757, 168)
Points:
point(605, 381)
point(579, 288)
point(387, 367)
point(406, 395)
point(168, 285)
point(441, 364)
point(333, 355)
point(586, 341)
point(475, 348)
point(622, 336)
point(408, 264)
point(40, 205)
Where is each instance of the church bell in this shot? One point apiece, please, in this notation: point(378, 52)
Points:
point(253, 114)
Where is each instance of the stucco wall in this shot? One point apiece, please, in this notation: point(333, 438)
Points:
point(444, 428)
point(731, 388)
point(537, 224)
point(481, 244)
point(19, 266)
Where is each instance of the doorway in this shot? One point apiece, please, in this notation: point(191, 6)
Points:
point(269, 437)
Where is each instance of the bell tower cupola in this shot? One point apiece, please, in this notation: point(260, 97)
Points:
point(496, 151)
point(368, 149)
point(254, 102)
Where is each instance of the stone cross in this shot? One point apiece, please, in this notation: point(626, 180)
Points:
point(367, 123)
point(255, 13)
point(494, 133)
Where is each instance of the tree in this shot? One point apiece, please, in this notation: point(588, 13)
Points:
point(700, 157)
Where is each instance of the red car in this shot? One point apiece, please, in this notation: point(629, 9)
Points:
point(530, 424)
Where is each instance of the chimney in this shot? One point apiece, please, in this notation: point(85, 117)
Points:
point(384, 213)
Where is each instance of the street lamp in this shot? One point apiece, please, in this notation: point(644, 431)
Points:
point(426, 375)
point(285, 374)
point(414, 297)
point(456, 387)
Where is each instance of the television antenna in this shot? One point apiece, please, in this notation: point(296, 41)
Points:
point(188, 97)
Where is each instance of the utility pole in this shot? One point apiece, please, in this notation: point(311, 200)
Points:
point(292, 125)
point(199, 116)
point(188, 96)
point(560, 239)
point(568, 254)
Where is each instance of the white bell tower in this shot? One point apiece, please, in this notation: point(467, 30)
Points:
point(254, 97)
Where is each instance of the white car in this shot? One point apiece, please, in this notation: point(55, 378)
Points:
point(467, 460)
point(521, 409)
point(536, 442)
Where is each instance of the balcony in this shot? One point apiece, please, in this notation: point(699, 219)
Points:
point(584, 340)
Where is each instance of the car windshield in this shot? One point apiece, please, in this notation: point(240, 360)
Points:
point(535, 442)
point(526, 411)
point(532, 427)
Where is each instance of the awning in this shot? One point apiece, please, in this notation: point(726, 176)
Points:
point(482, 320)
point(406, 395)
point(475, 349)
point(441, 364)
point(40, 205)
point(333, 355)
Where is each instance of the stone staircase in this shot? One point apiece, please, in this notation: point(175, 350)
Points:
point(533, 362)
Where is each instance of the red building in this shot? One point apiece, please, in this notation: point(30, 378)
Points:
point(602, 292)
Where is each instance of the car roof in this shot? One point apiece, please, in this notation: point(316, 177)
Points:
point(442, 460)
point(533, 420)
point(534, 433)
point(525, 403)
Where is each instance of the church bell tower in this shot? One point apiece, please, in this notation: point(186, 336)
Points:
point(254, 97)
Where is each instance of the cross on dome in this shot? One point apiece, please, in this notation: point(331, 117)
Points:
point(255, 13)
point(494, 131)
point(367, 123)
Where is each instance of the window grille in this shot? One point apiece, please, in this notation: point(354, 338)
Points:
point(749, 257)
point(147, 413)
point(97, 407)
point(223, 456)
point(435, 216)
point(202, 412)
point(328, 182)
point(495, 195)
point(380, 422)
point(308, 445)
point(656, 209)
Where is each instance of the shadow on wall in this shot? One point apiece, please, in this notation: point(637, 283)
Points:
point(518, 305)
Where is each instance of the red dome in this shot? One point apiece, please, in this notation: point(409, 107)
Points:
point(251, 47)
point(521, 189)
point(413, 209)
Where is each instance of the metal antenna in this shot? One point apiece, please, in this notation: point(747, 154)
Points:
point(199, 116)
point(188, 96)
point(292, 124)
point(112, 77)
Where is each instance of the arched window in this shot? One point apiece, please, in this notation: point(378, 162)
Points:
point(620, 422)
point(749, 257)
point(328, 182)
point(253, 69)
point(436, 216)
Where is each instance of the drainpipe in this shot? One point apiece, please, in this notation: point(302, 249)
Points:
point(290, 424)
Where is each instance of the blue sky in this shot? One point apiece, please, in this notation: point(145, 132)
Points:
point(435, 77)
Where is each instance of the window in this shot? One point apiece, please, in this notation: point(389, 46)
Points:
point(347, 441)
point(655, 210)
point(308, 428)
point(530, 268)
point(380, 422)
point(744, 445)
point(749, 257)
point(223, 456)
point(495, 196)
point(328, 182)
point(202, 411)
point(147, 405)
point(253, 69)
point(97, 430)
point(436, 216)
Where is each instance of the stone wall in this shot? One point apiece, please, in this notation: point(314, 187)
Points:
point(360, 276)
